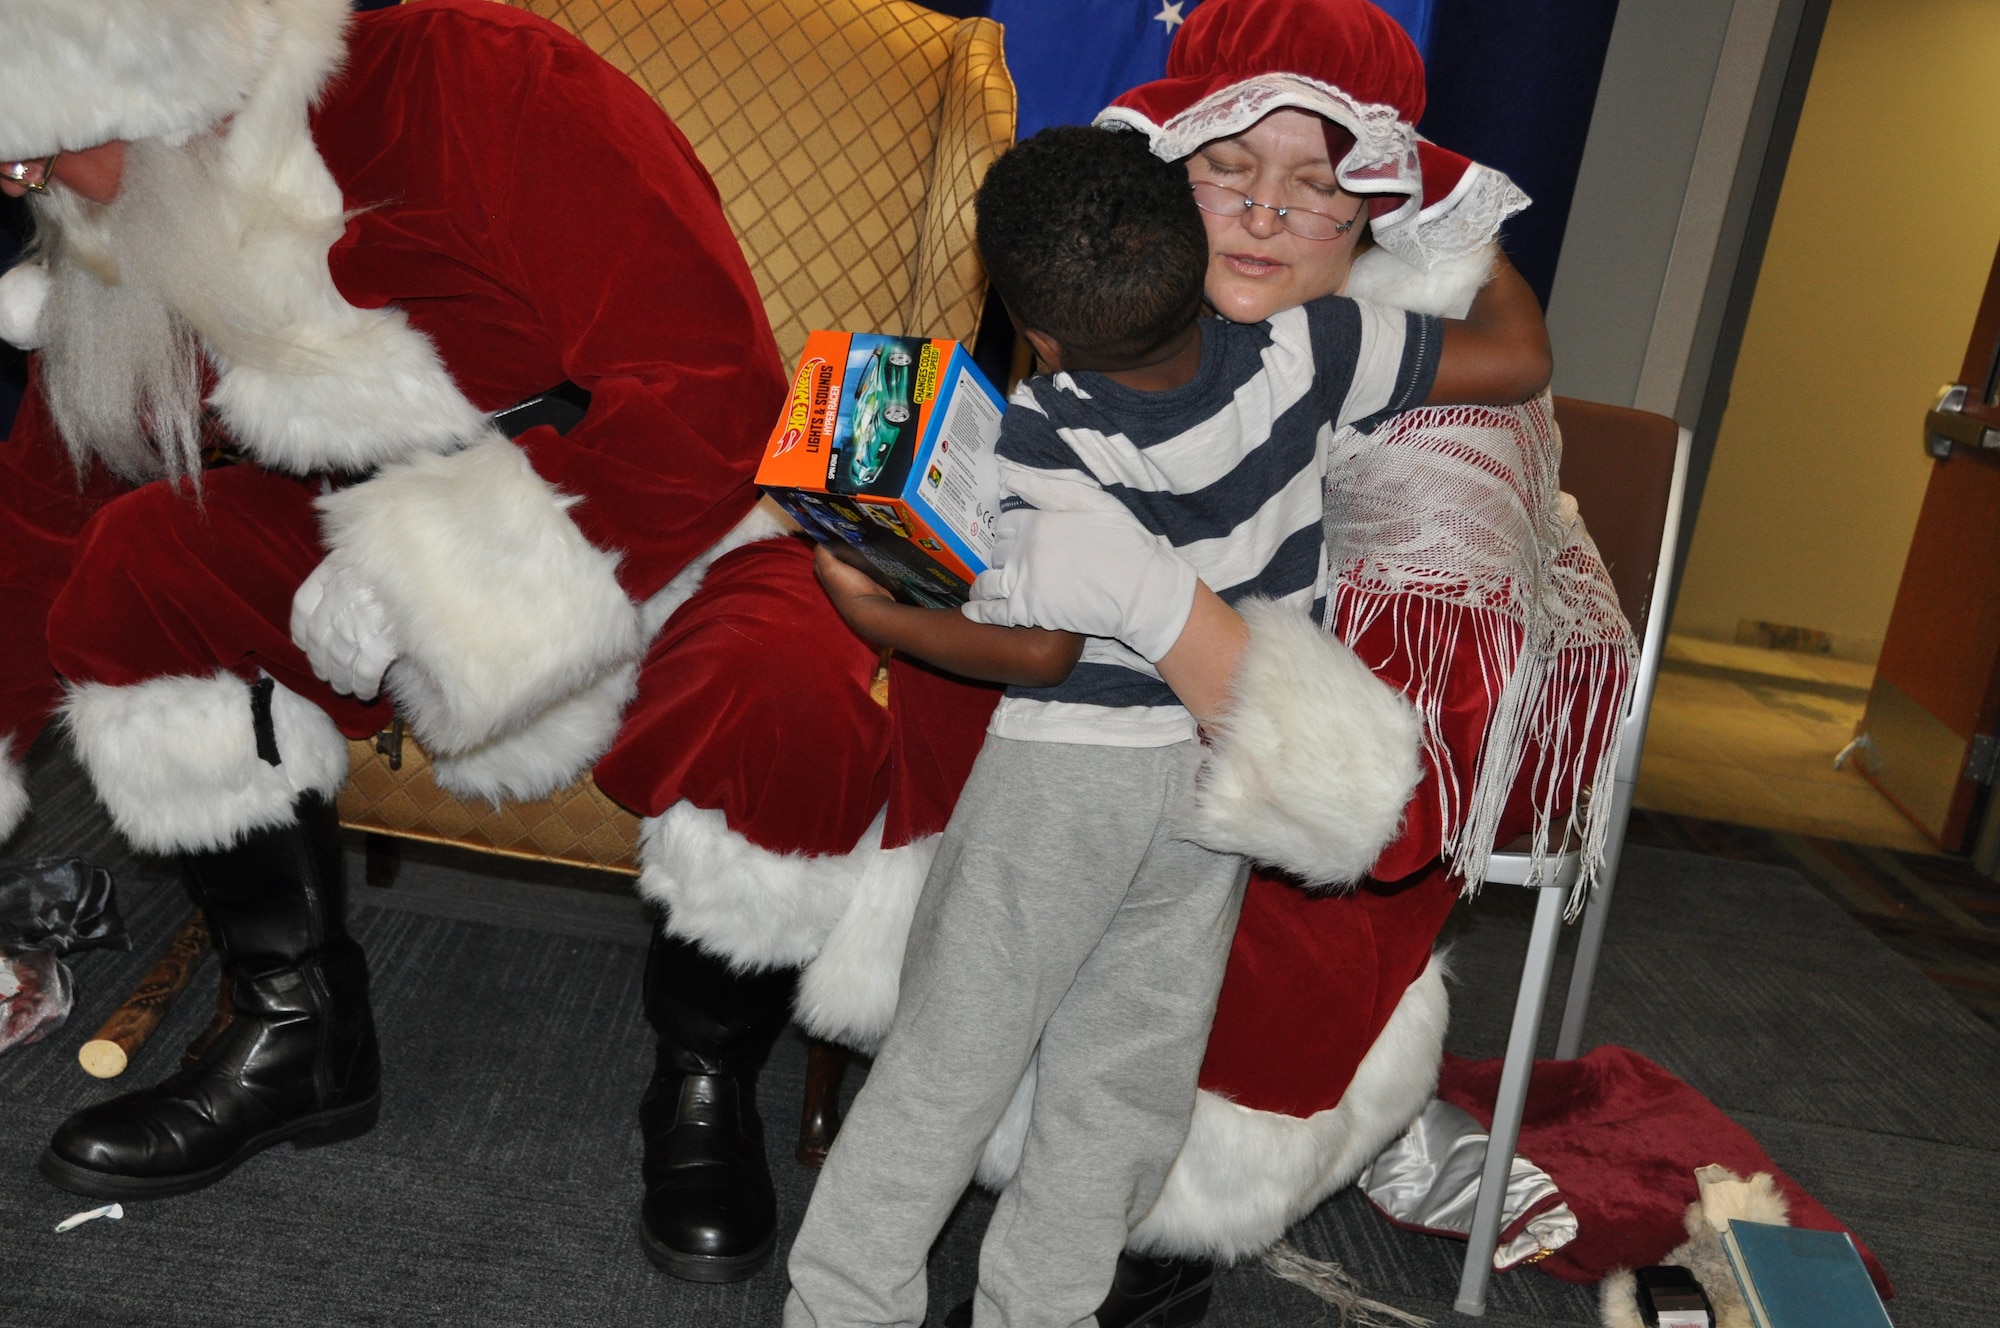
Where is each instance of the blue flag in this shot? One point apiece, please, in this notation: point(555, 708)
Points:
point(1415, 16)
point(1069, 58)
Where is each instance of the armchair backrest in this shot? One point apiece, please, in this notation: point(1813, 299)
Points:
point(846, 138)
point(1619, 465)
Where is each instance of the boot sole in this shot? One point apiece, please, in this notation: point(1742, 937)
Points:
point(706, 1267)
point(326, 1127)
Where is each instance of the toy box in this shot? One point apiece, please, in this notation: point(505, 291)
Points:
point(885, 451)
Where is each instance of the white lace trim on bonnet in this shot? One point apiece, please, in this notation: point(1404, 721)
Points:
point(1383, 161)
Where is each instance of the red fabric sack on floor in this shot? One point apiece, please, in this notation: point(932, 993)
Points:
point(1621, 1138)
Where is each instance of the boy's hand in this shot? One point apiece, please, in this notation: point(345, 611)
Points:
point(843, 580)
point(847, 586)
point(857, 597)
point(1027, 656)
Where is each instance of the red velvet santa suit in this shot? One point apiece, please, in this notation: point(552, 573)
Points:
point(534, 218)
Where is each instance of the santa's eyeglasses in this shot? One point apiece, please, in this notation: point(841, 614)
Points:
point(1306, 223)
point(33, 175)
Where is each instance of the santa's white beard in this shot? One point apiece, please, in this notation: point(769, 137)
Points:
point(141, 291)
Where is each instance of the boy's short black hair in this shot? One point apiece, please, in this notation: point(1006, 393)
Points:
point(1093, 240)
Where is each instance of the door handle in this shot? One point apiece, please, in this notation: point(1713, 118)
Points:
point(1944, 424)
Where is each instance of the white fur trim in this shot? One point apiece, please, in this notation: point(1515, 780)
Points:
point(76, 73)
point(557, 746)
point(175, 759)
point(757, 908)
point(381, 394)
point(501, 608)
point(348, 389)
point(552, 752)
point(1244, 1176)
point(1380, 277)
point(13, 791)
point(845, 916)
point(1313, 762)
point(1002, 1155)
point(848, 992)
point(24, 289)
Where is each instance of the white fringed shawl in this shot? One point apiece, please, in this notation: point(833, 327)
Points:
point(1450, 519)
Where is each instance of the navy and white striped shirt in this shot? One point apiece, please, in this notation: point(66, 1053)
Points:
point(1225, 468)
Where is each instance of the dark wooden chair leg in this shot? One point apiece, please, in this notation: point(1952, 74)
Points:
point(826, 1066)
point(384, 859)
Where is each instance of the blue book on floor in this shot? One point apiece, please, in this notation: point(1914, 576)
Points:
point(1793, 1277)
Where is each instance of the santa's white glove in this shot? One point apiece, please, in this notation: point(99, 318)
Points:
point(1099, 573)
point(341, 625)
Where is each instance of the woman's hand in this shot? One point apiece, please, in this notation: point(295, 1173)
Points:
point(1096, 573)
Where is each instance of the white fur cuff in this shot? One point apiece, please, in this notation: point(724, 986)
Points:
point(500, 605)
point(13, 791)
point(24, 289)
point(1311, 767)
point(1380, 277)
point(175, 760)
point(551, 753)
point(844, 917)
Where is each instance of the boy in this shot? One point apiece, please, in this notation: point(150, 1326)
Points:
point(1063, 917)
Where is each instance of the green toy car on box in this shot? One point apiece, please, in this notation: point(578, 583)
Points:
point(881, 409)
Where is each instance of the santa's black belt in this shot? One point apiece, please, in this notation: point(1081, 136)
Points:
point(562, 408)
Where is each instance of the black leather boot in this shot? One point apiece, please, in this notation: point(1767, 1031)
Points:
point(1157, 1293)
point(710, 1214)
point(297, 1061)
point(1145, 1293)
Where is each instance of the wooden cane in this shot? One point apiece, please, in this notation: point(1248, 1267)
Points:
point(107, 1054)
point(819, 1121)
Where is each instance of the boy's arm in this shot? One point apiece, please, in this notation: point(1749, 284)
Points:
point(1498, 354)
point(1023, 656)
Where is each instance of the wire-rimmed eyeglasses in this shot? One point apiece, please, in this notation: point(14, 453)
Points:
point(1306, 223)
point(18, 172)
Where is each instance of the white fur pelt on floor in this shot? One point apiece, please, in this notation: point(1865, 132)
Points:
point(1723, 1196)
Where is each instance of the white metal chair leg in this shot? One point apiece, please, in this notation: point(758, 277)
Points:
point(1590, 941)
point(1512, 1099)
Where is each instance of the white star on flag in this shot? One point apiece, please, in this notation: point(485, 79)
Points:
point(1170, 14)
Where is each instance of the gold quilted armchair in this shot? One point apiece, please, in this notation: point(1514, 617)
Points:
point(846, 138)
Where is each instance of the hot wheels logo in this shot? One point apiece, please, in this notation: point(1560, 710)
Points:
point(800, 412)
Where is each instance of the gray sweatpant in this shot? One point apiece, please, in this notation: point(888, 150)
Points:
point(1061, 911)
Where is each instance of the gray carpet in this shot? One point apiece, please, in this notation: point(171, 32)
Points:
point(501, 1186)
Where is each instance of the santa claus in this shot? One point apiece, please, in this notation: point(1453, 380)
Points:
point(286, 262)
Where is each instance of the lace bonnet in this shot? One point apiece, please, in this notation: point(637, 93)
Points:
point(1236, 61)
